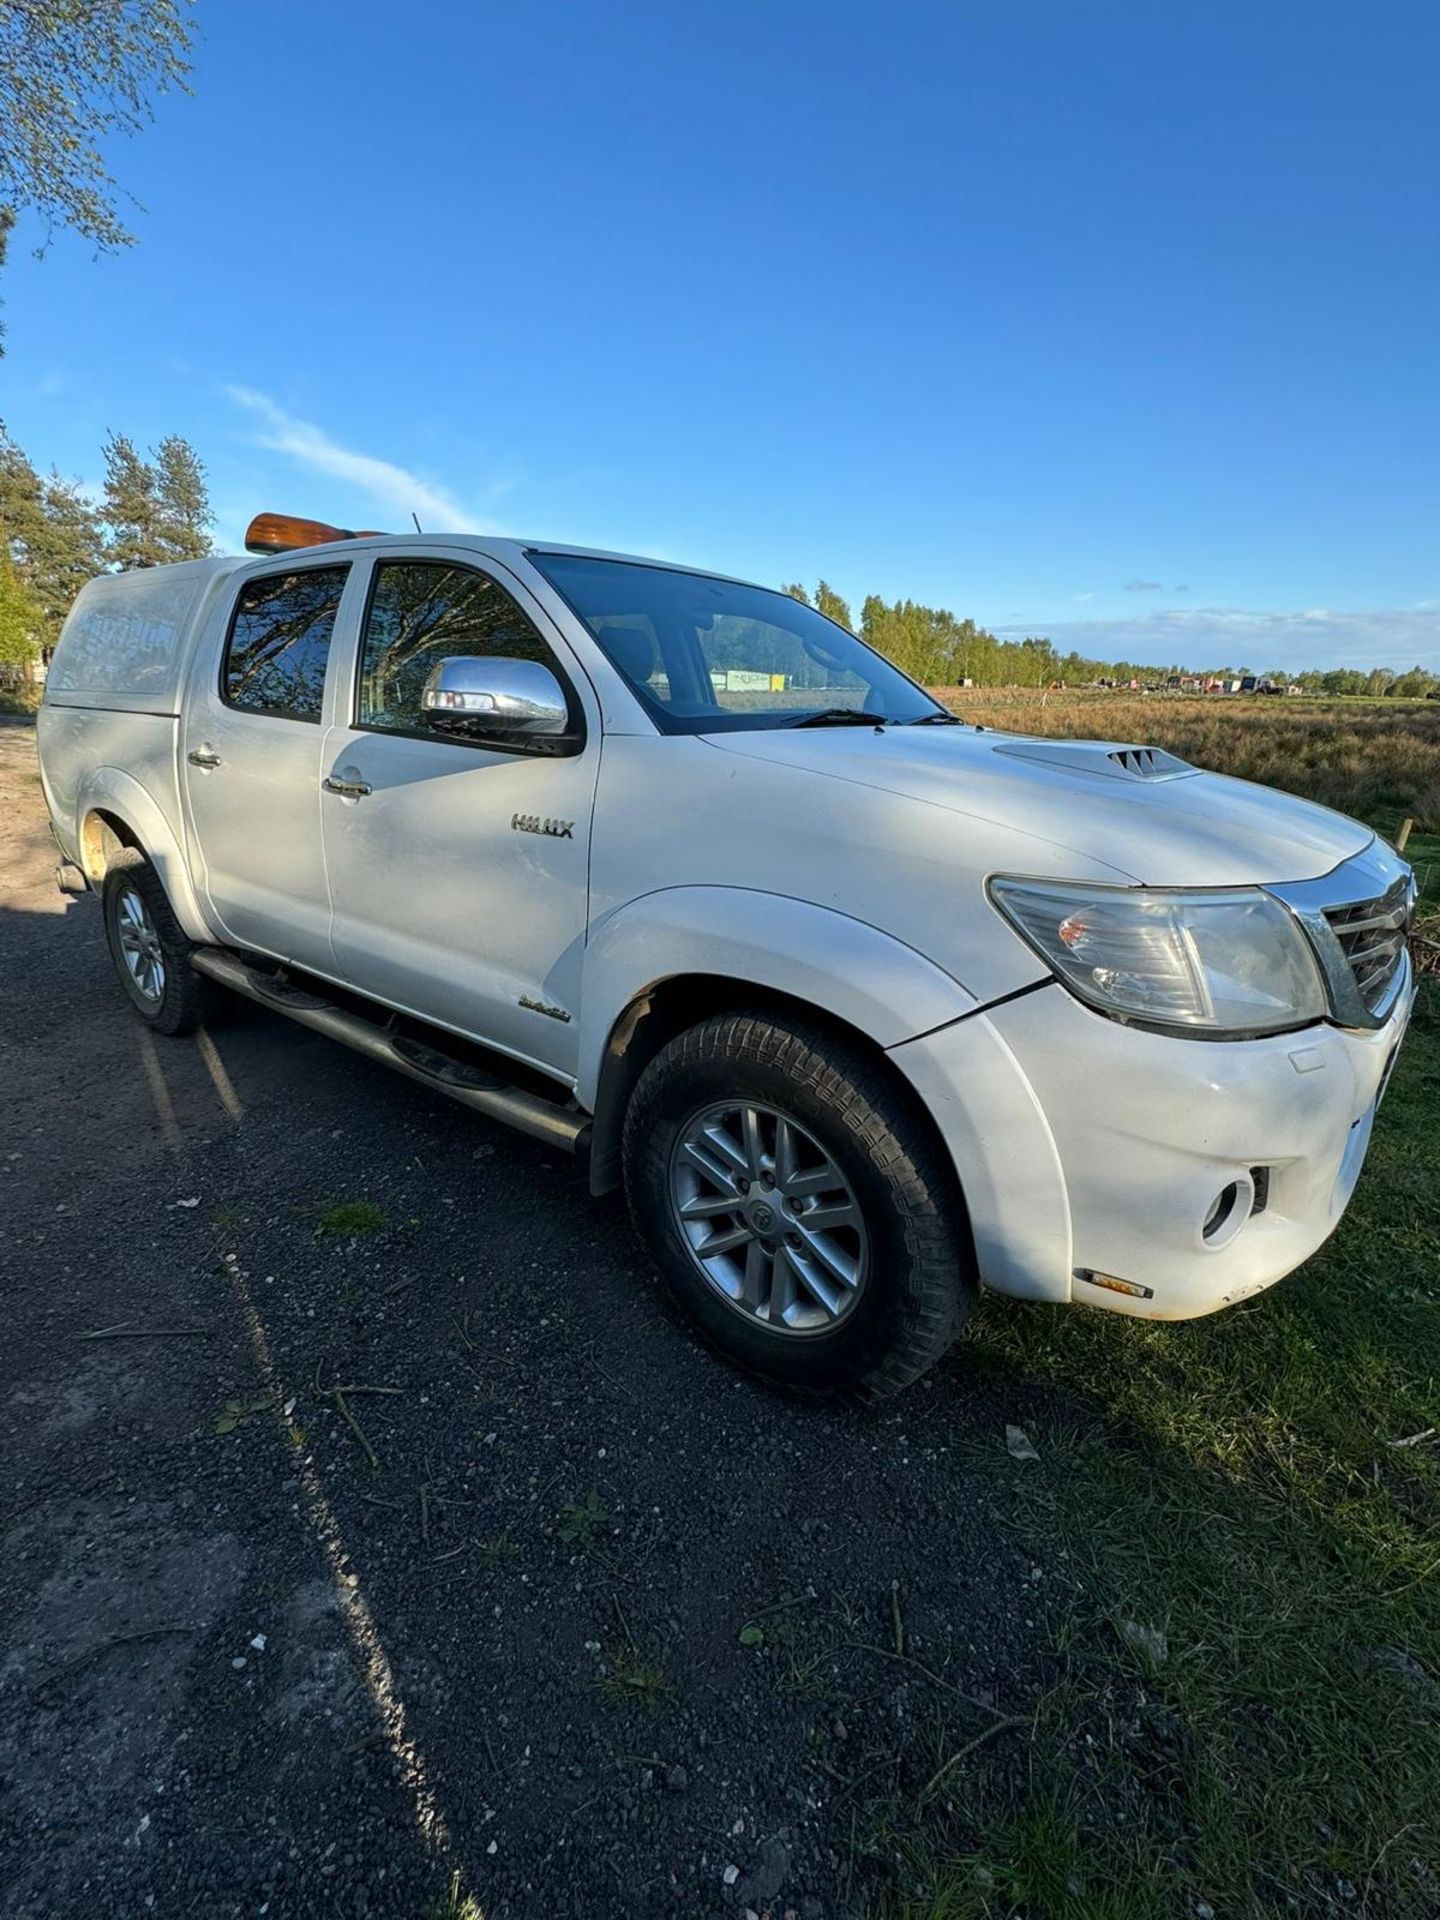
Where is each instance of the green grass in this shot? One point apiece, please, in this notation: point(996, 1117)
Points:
point(349, 1218)
point(630, 1681)
point(1234, 1483)
point(580, 1523)
point(455, 1903)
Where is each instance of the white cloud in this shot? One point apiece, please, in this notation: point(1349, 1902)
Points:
point(394, 489)
point(1398, 637)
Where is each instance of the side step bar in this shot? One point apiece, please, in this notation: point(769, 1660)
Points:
point(557, 1126)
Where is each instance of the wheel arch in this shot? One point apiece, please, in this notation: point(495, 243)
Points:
point(729, 950)
point(113, 811)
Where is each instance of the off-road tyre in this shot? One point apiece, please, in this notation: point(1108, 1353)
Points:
point(921, 1284)
point(187, 999)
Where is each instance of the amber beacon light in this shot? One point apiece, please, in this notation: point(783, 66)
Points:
point(284, 532)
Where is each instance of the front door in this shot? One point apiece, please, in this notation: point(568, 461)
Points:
point(251, 742)
point(458, 869)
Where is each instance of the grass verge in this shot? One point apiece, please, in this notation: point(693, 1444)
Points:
point(1245, 1710)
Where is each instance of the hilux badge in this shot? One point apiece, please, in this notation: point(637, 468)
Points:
point(533, 823)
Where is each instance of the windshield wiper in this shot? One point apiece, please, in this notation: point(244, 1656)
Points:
point(934, 720)
point(839, 717)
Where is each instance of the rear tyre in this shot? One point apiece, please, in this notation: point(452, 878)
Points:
point(149, 948)
point(799, 1211)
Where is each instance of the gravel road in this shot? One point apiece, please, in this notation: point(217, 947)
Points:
point(345, 1572)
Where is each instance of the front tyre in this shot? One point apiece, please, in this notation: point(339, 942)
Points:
point(149, 947)
point(798, 1209)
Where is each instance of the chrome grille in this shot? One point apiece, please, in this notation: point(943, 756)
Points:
point(1357, 917)
point(1372, 934)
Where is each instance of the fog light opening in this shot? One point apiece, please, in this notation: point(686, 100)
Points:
point(1229, 1211)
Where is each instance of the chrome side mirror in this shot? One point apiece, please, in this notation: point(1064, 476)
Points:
point(477, 695)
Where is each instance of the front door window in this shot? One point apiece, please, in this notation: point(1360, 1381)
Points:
point(422, 612)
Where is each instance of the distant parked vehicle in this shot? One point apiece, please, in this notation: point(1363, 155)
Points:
point(865, 1008)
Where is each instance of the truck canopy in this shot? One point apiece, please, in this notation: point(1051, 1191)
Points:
point(126, 636)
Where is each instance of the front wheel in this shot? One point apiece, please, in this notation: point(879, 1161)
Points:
point(149, 947)
point(798, 1209)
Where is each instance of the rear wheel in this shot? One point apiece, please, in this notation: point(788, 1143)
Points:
point(149, 947)
point(798, 1209)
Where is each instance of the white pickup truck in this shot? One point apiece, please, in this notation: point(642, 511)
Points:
point(865, 1007)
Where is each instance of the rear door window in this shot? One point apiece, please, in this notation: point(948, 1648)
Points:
point(279, 642)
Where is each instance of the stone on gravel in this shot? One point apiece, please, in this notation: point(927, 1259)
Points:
point(766, 1877)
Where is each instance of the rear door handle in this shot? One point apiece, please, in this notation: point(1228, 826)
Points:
point(203, 757)
point(351, 789)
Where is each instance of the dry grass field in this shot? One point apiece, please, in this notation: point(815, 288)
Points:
point(1366, 757)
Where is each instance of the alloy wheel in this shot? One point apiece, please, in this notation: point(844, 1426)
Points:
point(140, 945)
point(769, 1218)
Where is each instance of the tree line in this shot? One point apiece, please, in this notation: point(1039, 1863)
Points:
point(941, 649)
point(54, 537)
point(155, 509)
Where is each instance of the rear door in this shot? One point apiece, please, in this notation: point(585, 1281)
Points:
point(251, 740)
point(459, 869)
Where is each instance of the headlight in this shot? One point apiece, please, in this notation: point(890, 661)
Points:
point(1204, 963)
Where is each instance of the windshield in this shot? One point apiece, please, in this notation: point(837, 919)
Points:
point(707, 655)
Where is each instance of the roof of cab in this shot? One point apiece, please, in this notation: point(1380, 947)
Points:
point(498, 547)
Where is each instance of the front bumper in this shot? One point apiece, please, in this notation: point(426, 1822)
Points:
point(1085, 1148)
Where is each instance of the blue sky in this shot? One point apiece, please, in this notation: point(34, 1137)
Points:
point(1117, 323)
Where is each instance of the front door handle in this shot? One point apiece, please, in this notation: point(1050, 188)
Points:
point(351, 789)
point(203, 757)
